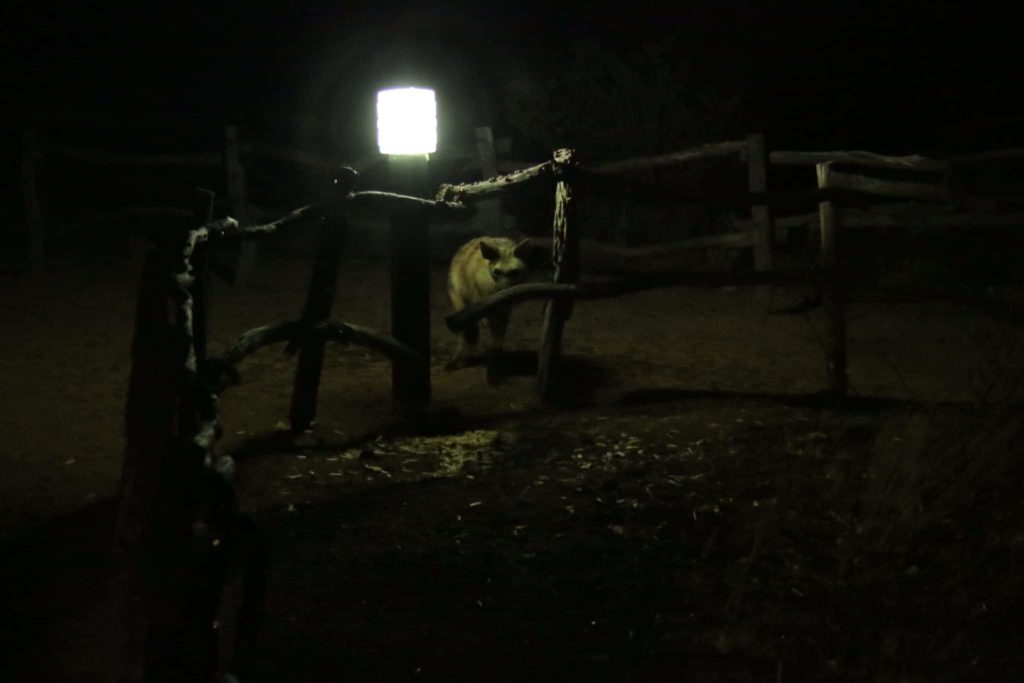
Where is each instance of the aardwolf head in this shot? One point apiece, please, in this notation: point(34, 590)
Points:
point(506, 261)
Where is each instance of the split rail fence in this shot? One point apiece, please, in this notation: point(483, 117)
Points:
point(843, 201)
point(172, 419)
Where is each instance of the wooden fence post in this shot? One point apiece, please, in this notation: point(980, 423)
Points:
point(34, 226)
point(757, 177)
point(565, 257)
point(319, 303)
point(167, 574)
point(488, 214)
point(143, 556)
point(834, 287)
point(238, 203)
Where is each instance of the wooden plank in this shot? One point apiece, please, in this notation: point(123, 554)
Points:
point(860, 158)
point(834, 289)
point(757, 179)
point(103, 158)
point(781, 222)
point(888, 188)
point(602, 257)
point(248, 250)
point(908, 219)
point(593, 255)
point(35, 228)
point(988, 156)
point(709, 151)
point(922, 217)
point(676, 255)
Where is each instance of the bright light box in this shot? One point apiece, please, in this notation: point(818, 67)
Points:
point(406, 121)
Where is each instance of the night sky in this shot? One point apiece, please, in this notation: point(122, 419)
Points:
point(889, 76)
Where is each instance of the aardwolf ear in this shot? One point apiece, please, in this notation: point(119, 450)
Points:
point(523, 249)
point(489, 252)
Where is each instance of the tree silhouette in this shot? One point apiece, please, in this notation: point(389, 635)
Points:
point(610, 106)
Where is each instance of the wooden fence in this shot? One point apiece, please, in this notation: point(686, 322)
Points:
point(172, 425)
point(171, 416)
point(843, 200)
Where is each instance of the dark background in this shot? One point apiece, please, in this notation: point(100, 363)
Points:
point(891, 74)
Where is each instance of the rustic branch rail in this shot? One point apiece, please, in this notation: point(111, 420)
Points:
point(884, 218)
point(255, 339)
point(602, 257)
point(906, 190)
point(227, 228)
point(655, 192)
point(450, 193)
point(391, 200)
point(709, 151)
point(991, 155)
point(99, 157)
point(859, 158)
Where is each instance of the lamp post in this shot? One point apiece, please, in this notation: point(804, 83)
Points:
point(407, 134)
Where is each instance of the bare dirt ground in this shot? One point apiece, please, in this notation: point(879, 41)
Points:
point(689, 512)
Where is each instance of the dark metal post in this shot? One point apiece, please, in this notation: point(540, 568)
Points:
point(409, 247)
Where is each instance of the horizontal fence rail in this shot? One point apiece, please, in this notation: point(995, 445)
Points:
point(104, 158)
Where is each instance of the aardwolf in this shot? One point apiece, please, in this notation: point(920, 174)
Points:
point(479, 268)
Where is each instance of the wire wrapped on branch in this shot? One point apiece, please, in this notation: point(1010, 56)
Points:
point(453, 193)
